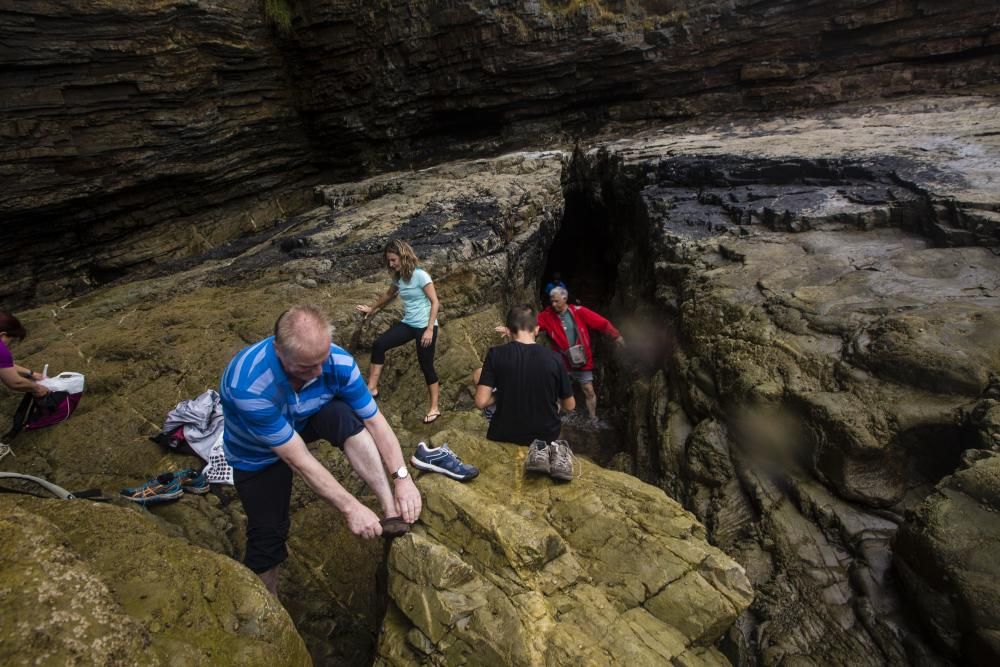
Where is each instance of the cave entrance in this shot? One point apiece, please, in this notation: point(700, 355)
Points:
point(585, 254)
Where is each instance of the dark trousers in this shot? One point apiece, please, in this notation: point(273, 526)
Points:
point(266, 493)
point(401, 334)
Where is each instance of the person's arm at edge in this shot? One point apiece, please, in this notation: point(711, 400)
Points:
point(484, 396)
point(600, 323)
point(360, 520)
point(13, 379)
point(407, 495)
point(428, 337)
point(382, 302)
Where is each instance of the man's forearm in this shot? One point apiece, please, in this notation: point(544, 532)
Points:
point(301, 461)
point(386, 442)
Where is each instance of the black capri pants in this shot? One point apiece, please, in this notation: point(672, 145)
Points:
point(400, 334)
point(267, 493)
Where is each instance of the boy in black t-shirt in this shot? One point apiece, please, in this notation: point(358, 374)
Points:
point(527, 382)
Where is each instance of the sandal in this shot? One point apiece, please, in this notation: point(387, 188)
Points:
point(431, 417)
point(394, 526)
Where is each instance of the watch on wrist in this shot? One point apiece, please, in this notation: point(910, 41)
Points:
point(401, 473)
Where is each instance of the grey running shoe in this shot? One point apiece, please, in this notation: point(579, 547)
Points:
point(538, 457)
point(561, 460)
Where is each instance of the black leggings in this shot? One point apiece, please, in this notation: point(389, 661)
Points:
point(400, 334)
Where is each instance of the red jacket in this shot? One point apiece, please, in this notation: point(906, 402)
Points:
point(586, 319)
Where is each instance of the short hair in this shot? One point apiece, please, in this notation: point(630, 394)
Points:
point(559, 291)
point(521, 318)
point(292, 328)
point(11, 326)
point(407, 258)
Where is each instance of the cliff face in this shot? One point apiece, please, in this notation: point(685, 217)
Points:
point(401, 80)
point(119, 117)
point(122, 117)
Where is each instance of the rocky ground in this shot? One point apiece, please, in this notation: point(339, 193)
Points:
point(811, 308)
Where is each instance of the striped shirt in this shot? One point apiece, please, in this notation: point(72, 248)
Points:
point(263, 411)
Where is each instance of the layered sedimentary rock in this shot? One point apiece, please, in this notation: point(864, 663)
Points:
point(122, 117)
point(397, 81)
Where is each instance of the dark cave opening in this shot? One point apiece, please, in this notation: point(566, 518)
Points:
point(584, 254)
point(590, 254)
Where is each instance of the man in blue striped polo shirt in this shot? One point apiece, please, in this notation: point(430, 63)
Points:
point(285, 391)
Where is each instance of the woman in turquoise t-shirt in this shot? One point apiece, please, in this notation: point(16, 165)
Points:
point(419, 323)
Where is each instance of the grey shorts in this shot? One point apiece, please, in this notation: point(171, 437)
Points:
point(583, 377)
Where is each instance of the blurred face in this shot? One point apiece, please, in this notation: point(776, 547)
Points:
point(558, 302)
point(307, 364)
point(392, 259)
point(7, 340)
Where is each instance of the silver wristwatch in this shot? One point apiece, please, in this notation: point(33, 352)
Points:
point(401, 473)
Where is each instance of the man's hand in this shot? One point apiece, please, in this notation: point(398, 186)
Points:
point(362, 521)
point(503, 331)
point(408, 500)
point(40, 390)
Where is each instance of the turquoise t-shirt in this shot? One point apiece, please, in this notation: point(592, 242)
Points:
point(416, 305)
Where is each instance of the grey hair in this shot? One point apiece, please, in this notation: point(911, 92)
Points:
point(293, 327)
point(559, 291)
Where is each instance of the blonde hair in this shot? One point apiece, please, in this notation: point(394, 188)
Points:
point(407, 258)
point(299, 326)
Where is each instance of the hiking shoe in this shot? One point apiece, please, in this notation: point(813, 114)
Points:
point(561, 460)
point(157, 490)
point(444, 461)
point(538, 457)
point(192, 481)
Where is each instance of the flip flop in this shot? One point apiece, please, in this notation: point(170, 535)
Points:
point(431, 417)
point(394, 526)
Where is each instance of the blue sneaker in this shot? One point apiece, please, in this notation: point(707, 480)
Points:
point(444, 461)
point(192, 481)
point(157, 490)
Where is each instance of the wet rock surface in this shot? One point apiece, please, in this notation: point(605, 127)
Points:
point(811, 311)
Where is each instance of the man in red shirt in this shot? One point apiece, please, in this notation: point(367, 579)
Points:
point(569, 327)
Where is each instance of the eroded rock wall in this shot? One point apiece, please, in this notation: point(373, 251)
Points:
point(401, 81)
point(134, 132)
point(834, 360)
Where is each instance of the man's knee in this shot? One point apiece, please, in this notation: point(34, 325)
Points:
point(335, 422)
point(588, 389)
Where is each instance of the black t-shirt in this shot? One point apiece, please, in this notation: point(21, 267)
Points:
point(529, 379)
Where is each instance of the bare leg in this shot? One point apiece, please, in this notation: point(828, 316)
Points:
point(364, 458)
point(590, 398)
point(374, 373)
point(270, 580)
point(434, 390)
point(475, 375)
